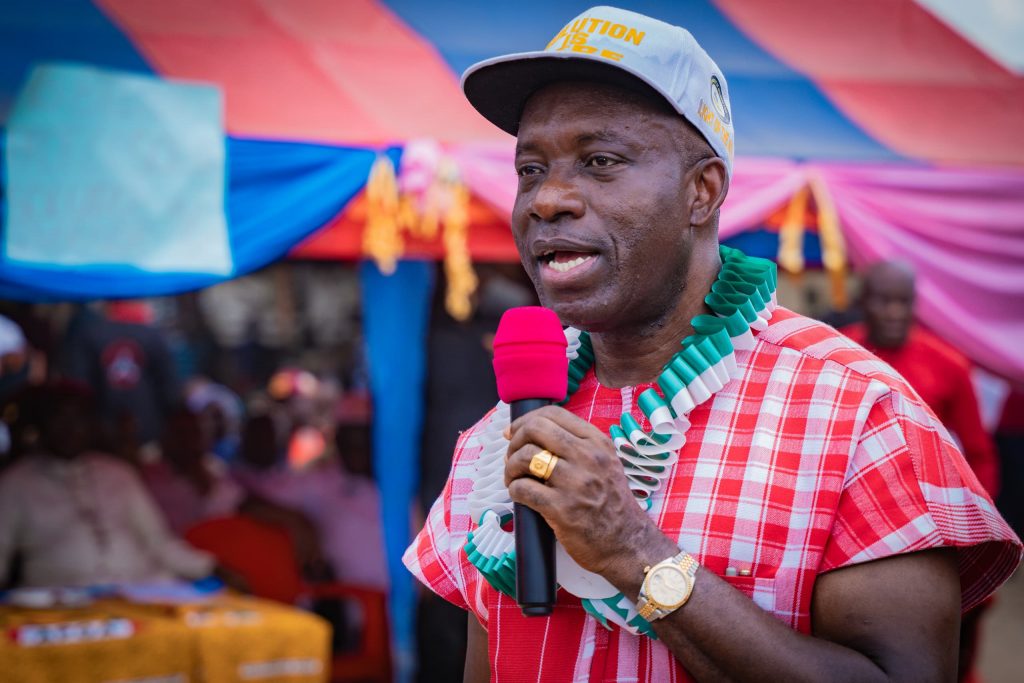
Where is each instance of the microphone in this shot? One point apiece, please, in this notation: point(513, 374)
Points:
point(531, 371)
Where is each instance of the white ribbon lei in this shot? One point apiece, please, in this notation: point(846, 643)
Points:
point(742, 299)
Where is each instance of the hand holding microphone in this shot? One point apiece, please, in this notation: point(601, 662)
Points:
point(532, 371)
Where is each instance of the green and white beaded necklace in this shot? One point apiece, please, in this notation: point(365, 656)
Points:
point(742, 299)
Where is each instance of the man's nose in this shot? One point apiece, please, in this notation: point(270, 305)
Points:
point(557, 197)
point(897, 309)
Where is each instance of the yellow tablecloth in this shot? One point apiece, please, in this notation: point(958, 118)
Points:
point(228, 639)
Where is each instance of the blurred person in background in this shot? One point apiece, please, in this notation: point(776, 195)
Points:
point(14, 358)
point(336, 494)
point(77, 517)
point(127, 362)
point(938, 373)
point(941, 375)
point(14, 374)
point(220, 414)
point(188, 483)
point(263, 473)
point(39, 340)
point(191, 485)
point(349, 512)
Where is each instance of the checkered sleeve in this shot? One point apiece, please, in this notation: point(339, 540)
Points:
point(436, 556)
point(908, 488)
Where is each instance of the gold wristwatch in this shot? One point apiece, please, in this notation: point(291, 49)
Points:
point(667, 586)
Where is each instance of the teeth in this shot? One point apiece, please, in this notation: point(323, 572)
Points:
point(566, 266)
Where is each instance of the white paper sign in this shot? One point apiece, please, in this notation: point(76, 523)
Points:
point(107, 168)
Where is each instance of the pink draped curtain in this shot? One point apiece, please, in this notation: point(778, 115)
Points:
point(962, 229)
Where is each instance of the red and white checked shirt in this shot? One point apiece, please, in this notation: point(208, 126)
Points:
point(817, 456)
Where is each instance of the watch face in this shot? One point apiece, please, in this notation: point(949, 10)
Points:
point(668, 586)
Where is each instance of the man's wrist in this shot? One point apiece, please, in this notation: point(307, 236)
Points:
point(626, 570)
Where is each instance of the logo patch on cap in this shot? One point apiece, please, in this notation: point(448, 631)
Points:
point(718, 100)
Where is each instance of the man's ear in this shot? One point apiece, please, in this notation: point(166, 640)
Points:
point(711, 181)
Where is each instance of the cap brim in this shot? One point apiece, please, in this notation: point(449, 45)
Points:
point(499, 88)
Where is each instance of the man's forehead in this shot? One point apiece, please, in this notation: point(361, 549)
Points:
point(591, 93)
point(890, 273)
point(591, 111)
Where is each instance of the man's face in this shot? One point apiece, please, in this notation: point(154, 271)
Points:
point(601, 218)
point(67, 431)
point(888, 305)
point(183, 440)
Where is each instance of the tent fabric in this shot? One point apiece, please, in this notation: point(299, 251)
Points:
point(278, 193)
point(342, 238)
point(58, 30)
point(964, 234)
point(321, 70)
point(898, 72)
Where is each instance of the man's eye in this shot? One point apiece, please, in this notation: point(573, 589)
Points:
point(528, 169)
point(601, 161)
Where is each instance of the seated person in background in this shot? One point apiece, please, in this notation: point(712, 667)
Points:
point(345, 508)
point(255, 471)
point(191, 485)
point(188, 483)
point(349, 515)
point(77, 517)
point(220, 415)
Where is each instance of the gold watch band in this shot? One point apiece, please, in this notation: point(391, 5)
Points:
point(647, 610)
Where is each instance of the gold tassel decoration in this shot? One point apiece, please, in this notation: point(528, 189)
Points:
point(833, 246)
point(458, 266)
point(382, 239)
point(442, 208)
point(791, 233)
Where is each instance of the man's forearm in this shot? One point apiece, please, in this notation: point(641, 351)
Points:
point(720, 634)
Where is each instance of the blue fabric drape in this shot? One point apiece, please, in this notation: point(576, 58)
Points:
point(278, 194)
point(396, 311)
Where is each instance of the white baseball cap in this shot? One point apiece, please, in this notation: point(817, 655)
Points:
point(611, 45)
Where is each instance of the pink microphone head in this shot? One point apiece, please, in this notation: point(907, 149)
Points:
point(529, 355)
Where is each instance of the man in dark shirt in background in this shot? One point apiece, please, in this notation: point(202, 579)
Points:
point(125, 359)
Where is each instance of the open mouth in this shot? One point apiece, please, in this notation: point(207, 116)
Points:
point(565, 261)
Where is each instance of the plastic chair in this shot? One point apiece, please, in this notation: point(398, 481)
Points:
point(264, 556)
point(372, 659)
point(260, 553)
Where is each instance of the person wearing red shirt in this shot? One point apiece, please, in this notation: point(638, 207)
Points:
point(937, 372)
point(737, 492)
point(941, 376)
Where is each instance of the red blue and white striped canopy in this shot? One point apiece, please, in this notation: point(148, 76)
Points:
point(912, 128)
point(878, 80)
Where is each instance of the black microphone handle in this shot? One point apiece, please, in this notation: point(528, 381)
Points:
point(535, 544)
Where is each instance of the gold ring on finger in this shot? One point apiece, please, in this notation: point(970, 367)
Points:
point(542, 464)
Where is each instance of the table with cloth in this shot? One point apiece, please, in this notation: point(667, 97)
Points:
point(221, 639)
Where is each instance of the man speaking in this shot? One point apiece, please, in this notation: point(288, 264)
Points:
point(737, 492)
